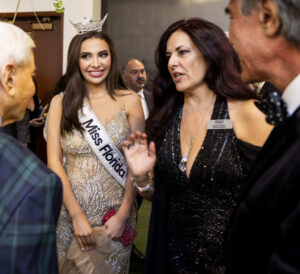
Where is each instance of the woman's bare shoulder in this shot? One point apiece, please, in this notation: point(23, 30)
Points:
point(56, 100)
point(249, 122)
point(245, 109)
point(248, 110)
point(128, 97)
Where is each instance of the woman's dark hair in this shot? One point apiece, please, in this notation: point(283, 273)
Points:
point(60, 85)
point(222, 76)
point(75, 86)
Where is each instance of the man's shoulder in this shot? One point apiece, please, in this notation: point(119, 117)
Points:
point(294, 124)
point(10, 147)
point(23, 174)
point(147, 92)
point(17, 160)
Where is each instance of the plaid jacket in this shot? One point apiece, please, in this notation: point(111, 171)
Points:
point(30, 201)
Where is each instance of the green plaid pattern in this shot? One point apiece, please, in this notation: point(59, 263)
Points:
point(30, 201)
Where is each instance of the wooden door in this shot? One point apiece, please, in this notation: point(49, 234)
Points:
point(48, 55)
point(48, 51)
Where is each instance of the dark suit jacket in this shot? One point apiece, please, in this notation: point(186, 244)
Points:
point(149, 99)
point(264, 235)
point(30, 202)
point(20, 130)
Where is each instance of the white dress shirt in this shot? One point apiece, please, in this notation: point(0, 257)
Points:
point(144, 103)
point(291, 95)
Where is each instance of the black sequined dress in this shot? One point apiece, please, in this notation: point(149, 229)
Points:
point(195, 211)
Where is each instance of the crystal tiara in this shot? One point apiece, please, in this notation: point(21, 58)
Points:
point(89, 25)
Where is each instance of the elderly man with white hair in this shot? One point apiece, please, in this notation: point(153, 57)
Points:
point(30, 194)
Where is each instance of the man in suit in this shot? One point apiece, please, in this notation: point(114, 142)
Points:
point(264, 234)
point(135, 77)
point(30, 194)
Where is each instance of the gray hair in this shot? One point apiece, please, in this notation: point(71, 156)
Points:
point(15, 45)
point(289, 14)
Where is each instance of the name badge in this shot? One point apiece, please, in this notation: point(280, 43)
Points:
point(219, 124)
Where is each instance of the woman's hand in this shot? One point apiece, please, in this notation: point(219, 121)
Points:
point(83, 232)
point(115, 226)
point(37, 122)
point(140, 157)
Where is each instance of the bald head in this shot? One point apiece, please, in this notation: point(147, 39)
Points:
point(134, 75)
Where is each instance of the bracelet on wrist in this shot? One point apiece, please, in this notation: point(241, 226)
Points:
point(145, 188)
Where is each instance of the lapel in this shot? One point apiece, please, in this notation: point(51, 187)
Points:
point(148, 98)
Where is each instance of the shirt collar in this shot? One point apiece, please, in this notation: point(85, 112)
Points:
point(291, 95)
point(141, 93)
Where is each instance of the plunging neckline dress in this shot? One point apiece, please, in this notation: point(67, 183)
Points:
point(94, 188)
point(190, 215)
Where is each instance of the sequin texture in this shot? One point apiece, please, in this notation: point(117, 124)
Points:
point(199, 207)
point(94, 188)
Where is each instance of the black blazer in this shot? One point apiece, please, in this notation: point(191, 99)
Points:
point(264, 234)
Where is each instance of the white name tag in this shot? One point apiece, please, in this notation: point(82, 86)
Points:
point(219, 124)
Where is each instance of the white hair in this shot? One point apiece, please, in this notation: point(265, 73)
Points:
point(288, 12)
point(15, 45)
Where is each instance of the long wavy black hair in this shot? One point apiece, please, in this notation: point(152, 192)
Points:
point(222, 76)
point(75, 85)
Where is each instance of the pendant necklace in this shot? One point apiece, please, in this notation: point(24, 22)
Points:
point(182, 164)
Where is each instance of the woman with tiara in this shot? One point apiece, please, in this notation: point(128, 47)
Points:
point(87, 124)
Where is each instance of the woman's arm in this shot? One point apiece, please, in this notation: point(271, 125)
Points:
point(137, 124)
point(249, 123)
point(82, 228)
point(141, 160)
point(135, 116)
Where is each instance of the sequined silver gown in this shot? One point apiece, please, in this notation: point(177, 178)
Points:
point(94, 188)
point(195, 211)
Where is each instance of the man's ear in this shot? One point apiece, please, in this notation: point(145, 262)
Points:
point(268, 18)
point(8, 79)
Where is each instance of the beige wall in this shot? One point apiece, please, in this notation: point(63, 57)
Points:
point(75, 10)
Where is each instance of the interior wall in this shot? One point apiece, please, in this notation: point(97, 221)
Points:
point(75, 10)
point(136, 25)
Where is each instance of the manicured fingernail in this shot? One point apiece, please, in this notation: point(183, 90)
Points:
point(82, 249)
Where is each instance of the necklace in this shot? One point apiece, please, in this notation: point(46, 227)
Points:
point(183, 161)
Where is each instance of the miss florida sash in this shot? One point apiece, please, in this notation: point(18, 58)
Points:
point(102, 144)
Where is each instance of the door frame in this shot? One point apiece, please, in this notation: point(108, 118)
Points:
point(41, 14)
